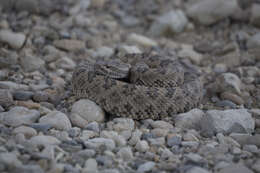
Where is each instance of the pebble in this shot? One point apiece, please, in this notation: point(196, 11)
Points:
point(173, 21)
point(96, 143)
point(229, 82)
point(255, 15)
point(87, 134)
point(90, 166)
point(77, 120)
point(6, 98)
point(232, 97)
point(238, 168)
point(142, 146)
point(244, 139)
point(65, 63)
point(41, 96)
point(206, 13)
point(10, 160)
point(197, 169)
point(104, 52)
point(125, 49)
point(161, 124)
point(157, 141)
point(123, 124)
point(141, 40)
point(189, 119)
point(56, 119)
point(27, 131)
point(173, 139)
point(31, 62)
point(228, 121)
point(250, 148)
point(146, 167)
point(88, 110)
point(119, 140)
point(69, 45)
point(42, 140)
point(94, 126)
point(23, 95)
point(19, 116)
point(187, 51)
point(15, 40)
point(136, 135)
point(254, 41)
point(125, 153)
point(12, 85)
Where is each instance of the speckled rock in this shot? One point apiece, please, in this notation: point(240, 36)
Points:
point(15, 40)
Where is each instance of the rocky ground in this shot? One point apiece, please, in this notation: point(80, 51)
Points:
point(44, 129)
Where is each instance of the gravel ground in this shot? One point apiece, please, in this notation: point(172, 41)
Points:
point(43, 128)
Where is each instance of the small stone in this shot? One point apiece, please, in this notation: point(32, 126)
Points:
point(10, 160)
point(88, 110)
point(28, 104)
point(42, 140)
point(104, 52)
point(136, 135)
point(254, 41)
point(206, 13)
point(65, 63)
point(12, 86)
point(27, 131)
point(41, 127)
point(93, 126)
point(237, 168)
point(141, 40)
point(171, 22)
point(188, 52)
point(78, 121)
point(6, 98)
point(232, 97)
point(125, 49)
point(119, 140)
point(98, 142)
point(157, 141)
point(122, 124)
point(146, 167)
point(161, 124)
point(220, 68)
point(158, 132)
point(229, 82)
point(173, 139)
point(97, 3)
point(19, 116)
point(57, 120)
point(197, 169)
point(31, 63)
point(87, 134)
point(142, 146)
point(189, 119)
point(90, 166)
point(125, 153)
point(23, 95)
point(250, 148)
point(69, 45)
point(255, 15)
point(228, 121)
point(15, 40)
point(41, 96)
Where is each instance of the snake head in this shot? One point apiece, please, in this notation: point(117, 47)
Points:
point(112, 69)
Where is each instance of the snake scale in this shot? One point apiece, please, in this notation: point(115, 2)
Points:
point(140, 86)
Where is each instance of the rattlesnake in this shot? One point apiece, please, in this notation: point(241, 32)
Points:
point(141, 86)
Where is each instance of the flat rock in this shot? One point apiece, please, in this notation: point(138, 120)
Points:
point(255, 14)
point(18, 116)
point(15, 40)
point(31, 63)
point(6, 98)
point(237, 168)
point(254, 41)
point(208, 12)
point(141, 40)
point(27, 131)
point(228, 121)
point(69, 45)
point(42, 140)
point(56, 119)
point(173, 21)
point(88, 110)
point(98, 142)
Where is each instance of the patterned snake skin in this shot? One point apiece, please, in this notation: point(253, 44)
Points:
point(141, 86)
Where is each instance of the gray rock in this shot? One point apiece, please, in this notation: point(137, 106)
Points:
point(237, 168)
point(161, 124)
point(228, 121)
point(69, 45)
point(197, 169)
point(157, 141)
point(88, 110)
point(208, 12)
point(136, 135)
point(174, 140)
point(173, 21)
point(42, 140)
point(189, 119)
point(255, 14)
point(146, 167)
point(31, 63)
point(6, 98)
point(93, 126)
point(23, 95)
point(244, 139)
point(65, 63)
point(104, 52)
point(15, 40)
point(141, 40)
point(27, 131)
point(250, 148)
point(125, 49)
point(10, 160)
point(12, 85)
point(142, 146)
point(57, 120)
point(18, 116)
point(41, 96)
point(90, 166)
point(95, 143)
point(119, 140)
point(125, 153)
point(122, 124)
point(254, 41)
point(229, 82)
